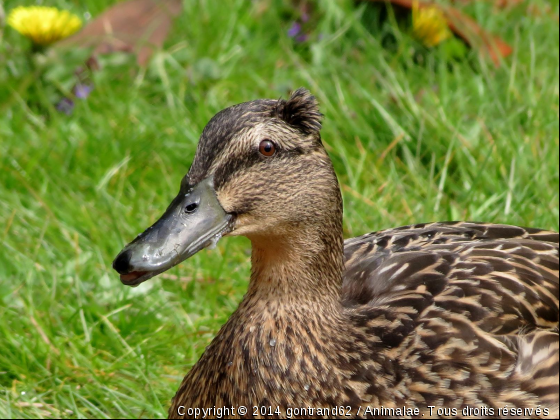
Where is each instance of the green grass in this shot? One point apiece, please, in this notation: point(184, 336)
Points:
point(411, 140)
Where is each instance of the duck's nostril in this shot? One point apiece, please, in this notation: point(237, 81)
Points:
point(122, 262)
point(190, 208)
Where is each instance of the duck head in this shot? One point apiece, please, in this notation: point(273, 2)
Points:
point(261, 171)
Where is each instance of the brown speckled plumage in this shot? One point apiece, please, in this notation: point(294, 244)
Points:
point(444, 314)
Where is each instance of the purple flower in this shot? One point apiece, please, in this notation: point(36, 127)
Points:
point(302, 38)
point(294, 29)
point(82, 91)
point(65, 105)
point(305, 17)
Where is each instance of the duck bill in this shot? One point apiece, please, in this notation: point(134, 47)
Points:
point(194, 220)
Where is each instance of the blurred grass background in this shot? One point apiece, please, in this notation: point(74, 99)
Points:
point(414, 138)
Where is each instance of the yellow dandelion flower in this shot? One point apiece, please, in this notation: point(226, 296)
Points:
point(429, 25)
point(43, 25)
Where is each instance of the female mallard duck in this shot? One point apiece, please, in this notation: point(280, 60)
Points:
point(447, 315)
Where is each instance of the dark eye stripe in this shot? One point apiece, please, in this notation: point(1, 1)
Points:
point(231, 166)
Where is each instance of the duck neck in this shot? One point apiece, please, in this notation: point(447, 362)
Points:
point(306, 266)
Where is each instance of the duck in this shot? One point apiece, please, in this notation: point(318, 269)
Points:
point(434, 319)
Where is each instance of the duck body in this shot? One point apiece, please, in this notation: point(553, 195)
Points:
point(446, 316)
point(429, 315)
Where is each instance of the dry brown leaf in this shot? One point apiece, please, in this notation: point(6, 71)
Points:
point(466, 28)
point(136, 26)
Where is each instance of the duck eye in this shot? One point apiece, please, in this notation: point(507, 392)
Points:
point(267, 148)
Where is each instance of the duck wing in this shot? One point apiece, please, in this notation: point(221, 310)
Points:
point(484, 296)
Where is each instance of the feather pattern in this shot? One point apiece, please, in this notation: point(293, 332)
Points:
point(483, 302)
